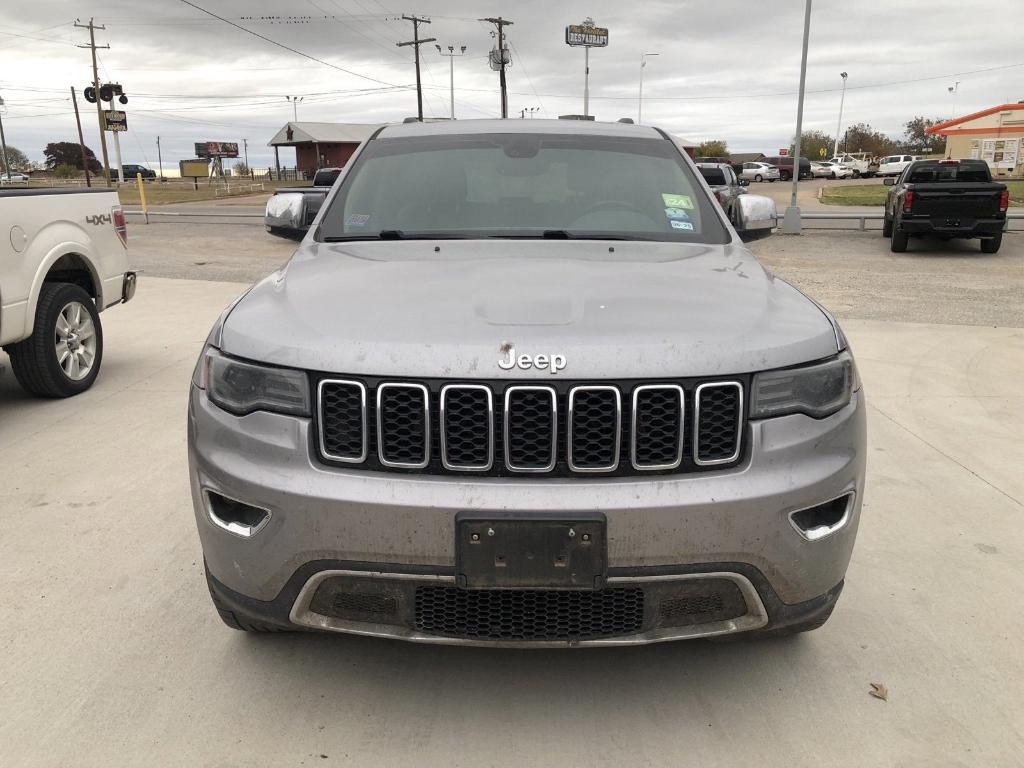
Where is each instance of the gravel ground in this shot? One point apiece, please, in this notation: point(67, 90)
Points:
point(852, 273)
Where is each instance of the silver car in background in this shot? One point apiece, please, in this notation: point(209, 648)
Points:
point(759, 172)
point(523, 384)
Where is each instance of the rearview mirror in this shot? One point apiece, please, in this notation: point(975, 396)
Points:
point(888, 181)
point(755, 216)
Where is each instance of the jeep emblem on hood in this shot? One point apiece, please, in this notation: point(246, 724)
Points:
point(554, 363)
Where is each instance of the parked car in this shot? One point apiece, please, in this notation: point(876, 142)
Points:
point(14, 177)
point(820, 170)
point(861, 163)
point(523, 384)
point(837, 171)
point(65, 261)
point(130, 172)
point(724, 185)
point(759, 172)
point(785, 166)
point(894, 165)
point(291, 210)
point(946, 198)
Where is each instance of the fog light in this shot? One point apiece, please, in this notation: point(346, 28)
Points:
point(817, 522)
point(235, 516)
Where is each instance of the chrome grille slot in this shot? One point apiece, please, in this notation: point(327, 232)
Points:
point(718, 420)
point(531, 429)
point(658, 426)
point(594, 432)
point(342, 408)
point(403, 425)
point(467, 427)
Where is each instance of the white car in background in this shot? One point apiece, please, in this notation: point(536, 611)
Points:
point(13, 178)
point(759, 172)
point(893, 165)
point(835, 171)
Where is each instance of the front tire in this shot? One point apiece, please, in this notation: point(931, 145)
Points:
point(991, 244)
point(62, 356)
point(758, 177)
point(886, 227)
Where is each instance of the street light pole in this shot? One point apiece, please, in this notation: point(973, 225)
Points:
point(295, 106)
point(839, 122)
point(451, 69)
point(953, 89)
point(640, 98)
point(791, 221)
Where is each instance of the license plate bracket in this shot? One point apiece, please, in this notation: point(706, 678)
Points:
point(530, 550)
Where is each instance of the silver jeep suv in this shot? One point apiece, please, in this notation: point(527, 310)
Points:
point(523, 384)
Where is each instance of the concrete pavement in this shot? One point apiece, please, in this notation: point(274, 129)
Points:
point(113, 655)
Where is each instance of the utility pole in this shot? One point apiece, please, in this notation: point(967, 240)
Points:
point(791, 219)
point(159, 159)
point(3, 145)
point(501, 23)
point(416, 43)
point(295, 106)
point(81, 138)
point(451, 69)
point(96, 84)
point(245, 152)
point(839, 122)
point(640, 97)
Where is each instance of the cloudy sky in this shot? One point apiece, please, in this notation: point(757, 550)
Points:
point(726, 68)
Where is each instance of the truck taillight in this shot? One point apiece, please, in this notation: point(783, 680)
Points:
point(1004, 200)
point(120, 226)
point(908, 200)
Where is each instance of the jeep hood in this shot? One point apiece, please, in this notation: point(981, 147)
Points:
point(448, 308)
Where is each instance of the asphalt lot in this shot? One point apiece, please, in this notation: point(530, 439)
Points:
point(114, 656)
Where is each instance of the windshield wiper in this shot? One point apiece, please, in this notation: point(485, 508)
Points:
point(398, 234)
point(564, 234)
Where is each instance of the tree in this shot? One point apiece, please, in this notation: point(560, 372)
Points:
point(241, 169)
point(69, 153)
point(17, 159)
point(713, 148)
point(920, 142)
point(812, 143)
point(861, 137)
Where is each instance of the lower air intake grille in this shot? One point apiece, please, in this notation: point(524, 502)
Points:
point(701, 602)
point(522, 614)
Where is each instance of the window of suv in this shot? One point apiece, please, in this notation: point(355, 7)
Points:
point(713, 176)
point(527, 185)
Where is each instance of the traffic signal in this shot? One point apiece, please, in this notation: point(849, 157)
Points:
point(90, 94)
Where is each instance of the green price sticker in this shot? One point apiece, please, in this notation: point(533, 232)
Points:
point(677, 201)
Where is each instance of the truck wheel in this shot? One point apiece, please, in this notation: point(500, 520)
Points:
point(856, 174)
point(62, 356)
point(991, 244)
point(886, 227)
point(898, 243)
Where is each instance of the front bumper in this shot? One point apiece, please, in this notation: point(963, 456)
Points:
point(734, 523)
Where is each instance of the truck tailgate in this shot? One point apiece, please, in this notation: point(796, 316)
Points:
point(964, 201)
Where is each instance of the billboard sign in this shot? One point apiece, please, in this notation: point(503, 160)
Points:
point(115, 120)
point(586, 34)
point(216, 149)
point(783, 152)
point(193, 168)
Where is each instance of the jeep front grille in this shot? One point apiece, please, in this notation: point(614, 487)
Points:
point(501, 428)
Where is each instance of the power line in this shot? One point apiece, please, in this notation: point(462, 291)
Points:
point(288, 48)
point(528, 80)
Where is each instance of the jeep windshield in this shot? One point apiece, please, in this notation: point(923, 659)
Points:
point(522, 186)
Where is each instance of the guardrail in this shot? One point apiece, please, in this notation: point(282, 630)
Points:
point(864, 217)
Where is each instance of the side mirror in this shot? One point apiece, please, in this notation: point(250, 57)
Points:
point(888, 181)
point(285, 214)
point(755, 216)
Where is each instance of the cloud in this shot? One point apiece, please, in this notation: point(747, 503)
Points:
point(727, 69)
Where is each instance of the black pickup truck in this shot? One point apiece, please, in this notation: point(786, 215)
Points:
point(290, 210)
point(945, 198)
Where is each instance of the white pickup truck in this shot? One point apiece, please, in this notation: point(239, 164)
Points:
point(63, 260)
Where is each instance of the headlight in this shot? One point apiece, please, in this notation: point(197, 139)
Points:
point(241, 387)
point(817, 390)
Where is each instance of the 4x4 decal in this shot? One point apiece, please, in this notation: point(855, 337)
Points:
point(98, 218)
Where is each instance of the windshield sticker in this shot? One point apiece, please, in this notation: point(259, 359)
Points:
point(681, 225)
point(357, 219)
point(677, 213)
point(677, 201)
